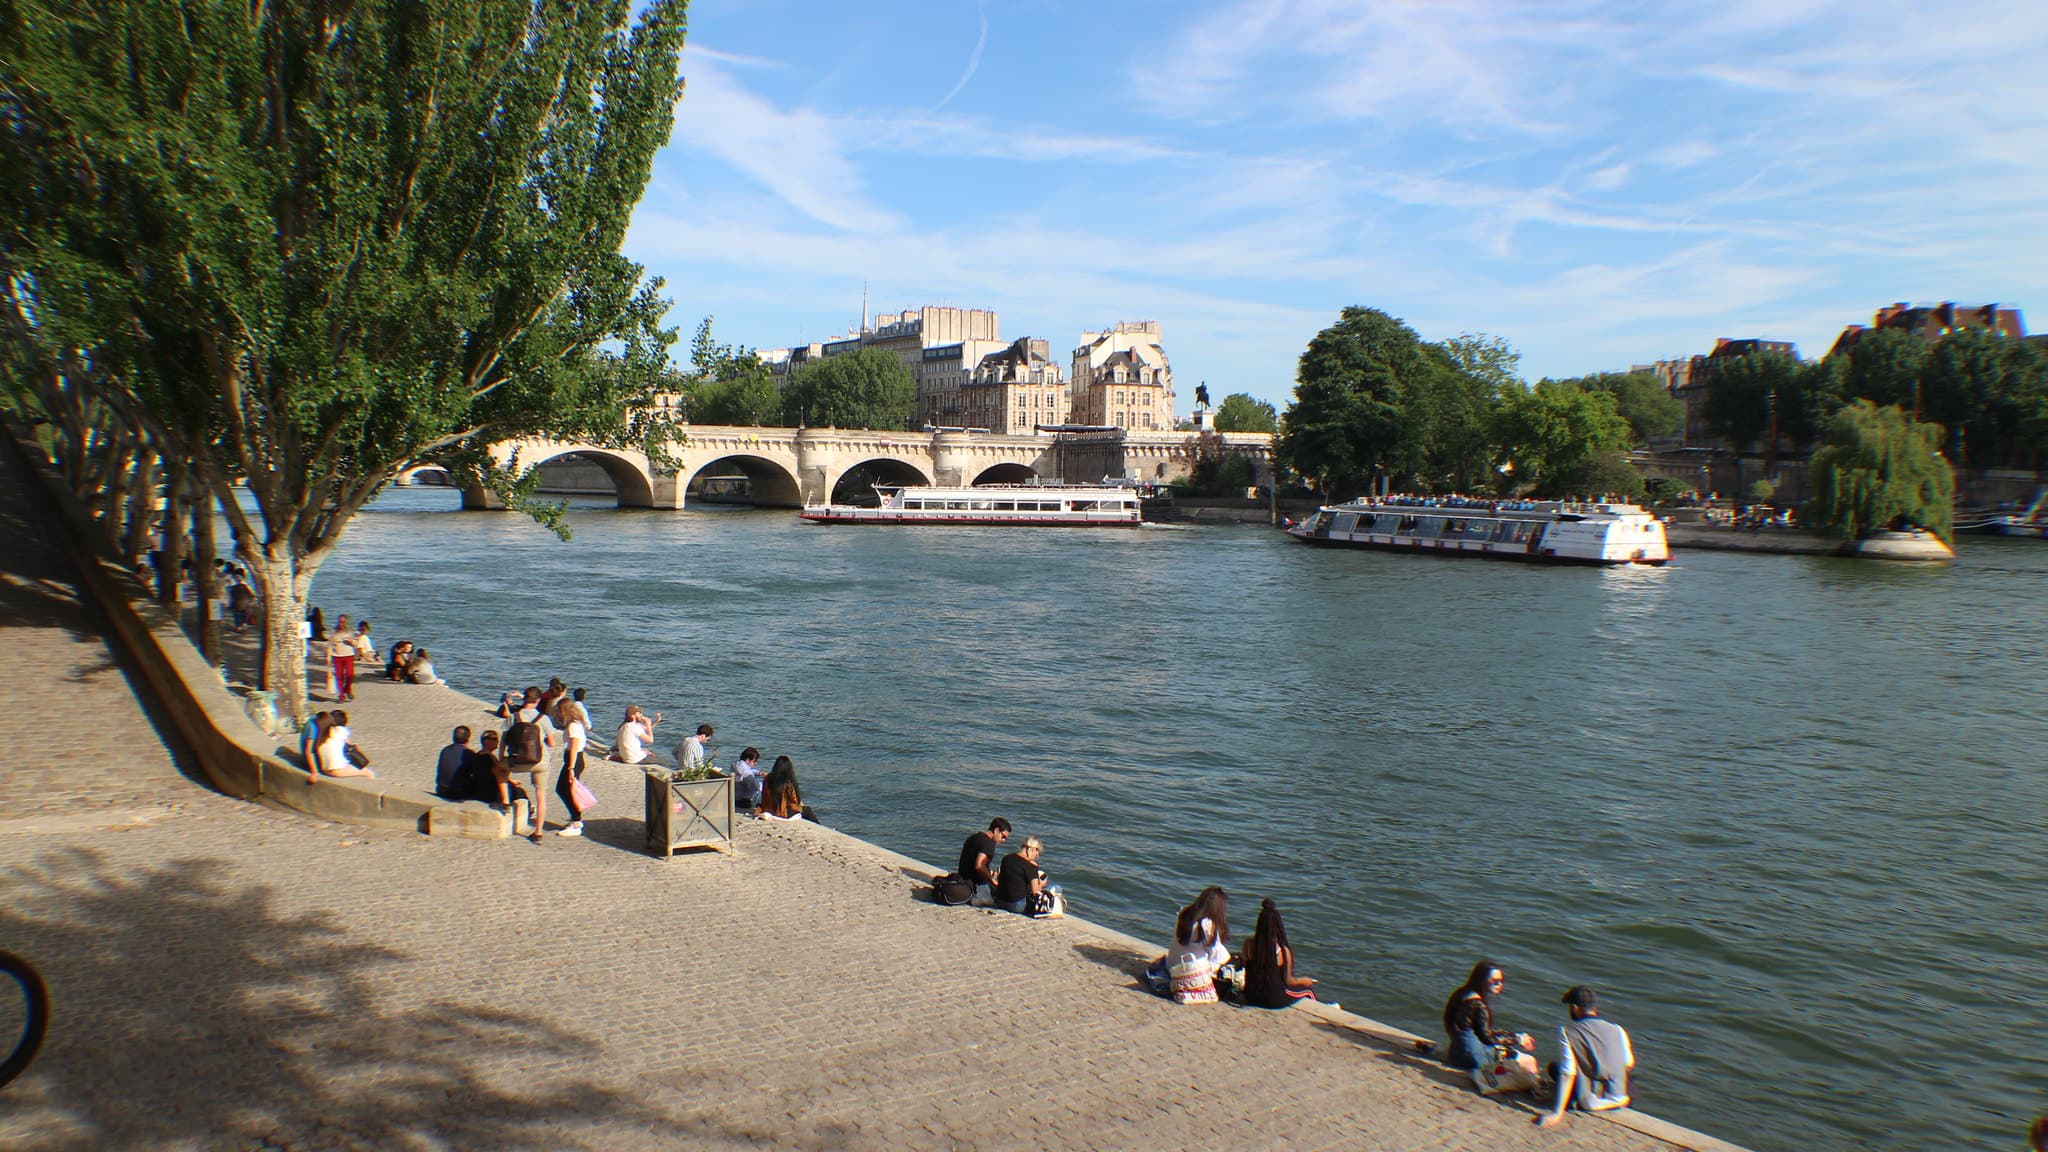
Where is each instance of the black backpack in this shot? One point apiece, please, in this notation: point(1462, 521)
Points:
point(952, 891)
point(523, 743)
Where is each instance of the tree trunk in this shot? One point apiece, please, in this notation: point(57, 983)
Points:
point(141, 510)
point(171, 556)
point(208, 577)
point(284, 643)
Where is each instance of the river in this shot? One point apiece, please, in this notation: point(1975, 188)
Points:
point(1787, 814)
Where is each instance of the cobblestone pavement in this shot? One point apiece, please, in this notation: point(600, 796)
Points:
point(227, 976)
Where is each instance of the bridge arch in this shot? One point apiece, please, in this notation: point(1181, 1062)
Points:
point(629, 479)
point(856, 481)
point(1008, 473)
point(769, 482)
point(425, 474)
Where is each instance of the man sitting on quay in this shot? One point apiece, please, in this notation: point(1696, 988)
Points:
point(978, 858)
point(747, 780)
point(452, 772)
point(1594, 1059)
point(695, 749)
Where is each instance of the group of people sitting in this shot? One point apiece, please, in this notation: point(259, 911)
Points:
point(1594, 1059)
point(327, 748)
point(349, 646)
point(770, 795)
point(1590, 1073)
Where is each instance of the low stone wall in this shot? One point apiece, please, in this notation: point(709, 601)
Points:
point(237, 757)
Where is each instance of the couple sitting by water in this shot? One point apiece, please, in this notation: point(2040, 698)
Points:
point(410, 664)
point(1200, 957)
point(1019, 885)
point(1594, 1056)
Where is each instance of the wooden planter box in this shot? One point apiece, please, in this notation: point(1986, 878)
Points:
point(698, 814)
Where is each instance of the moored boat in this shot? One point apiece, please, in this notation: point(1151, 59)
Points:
point(1544, 530)
point(1010, 505)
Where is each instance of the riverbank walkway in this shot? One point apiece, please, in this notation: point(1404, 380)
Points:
point(228, 976)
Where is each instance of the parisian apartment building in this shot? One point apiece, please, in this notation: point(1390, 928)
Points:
point(968, 376)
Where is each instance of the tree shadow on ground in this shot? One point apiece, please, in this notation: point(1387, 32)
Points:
point(192, 1012)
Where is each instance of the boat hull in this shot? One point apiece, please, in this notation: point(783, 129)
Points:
point(1458, 548)
point(880, 516)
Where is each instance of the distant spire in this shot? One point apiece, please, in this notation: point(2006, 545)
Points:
point(863, 305)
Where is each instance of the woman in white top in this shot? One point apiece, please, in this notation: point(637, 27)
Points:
point(366, 648)
point(1201, 945)
point(420, 669)
point(570, 717)
point(341, 661)
point(333, 753)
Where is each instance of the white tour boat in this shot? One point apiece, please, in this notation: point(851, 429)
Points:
point(1038, 505)
point(1547, 530)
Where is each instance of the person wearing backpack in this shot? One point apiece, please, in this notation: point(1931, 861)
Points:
point(525, 751)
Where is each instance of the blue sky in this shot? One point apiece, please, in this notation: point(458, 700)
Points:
point(1598, 183)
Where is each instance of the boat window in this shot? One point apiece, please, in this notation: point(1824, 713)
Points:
point(1006, 505)
point(1503, 530)
point(1430, 527)
point(913, 504)
point(1082, 505)
point(956, 505)
point(1346, 522)
point(1386, 524)
point(1408, 524)
point(982, 505)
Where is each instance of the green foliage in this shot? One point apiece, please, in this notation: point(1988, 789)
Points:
point(1652, 412)
point(1240, 412)
point(304, 246)
point(1453, 409)
point(1762, 490)
point(1662, 489)
point(864, 389)
point(1350, 413)
point(1741, 391)
point(1884, 368)
point(1878, 468)
point(1218, 474)
point(728, 384)
point(1563, 440)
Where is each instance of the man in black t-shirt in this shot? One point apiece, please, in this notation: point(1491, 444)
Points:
point(978, 858)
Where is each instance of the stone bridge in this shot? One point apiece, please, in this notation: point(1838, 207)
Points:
point(792, 466)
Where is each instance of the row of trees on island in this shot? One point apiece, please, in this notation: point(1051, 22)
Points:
point(1377, 406)
point(297, 248)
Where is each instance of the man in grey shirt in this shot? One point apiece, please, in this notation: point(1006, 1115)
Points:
point(1594, 1058)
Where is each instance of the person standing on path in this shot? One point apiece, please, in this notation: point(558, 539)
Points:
point(341, 661)
point(575, 734)
point(1593, 1061)
point(526, 747)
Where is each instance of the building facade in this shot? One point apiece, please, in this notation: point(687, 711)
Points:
point(940, 346)
point(1016, 390)
point(1933, 321)
point(1121, 379)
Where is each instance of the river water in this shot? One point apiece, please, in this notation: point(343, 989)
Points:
point(1787, 814)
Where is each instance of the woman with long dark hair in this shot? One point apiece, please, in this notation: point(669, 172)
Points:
point(1201, 945)
point(1468, 1019)
point(780, 799)
point(1269, 979)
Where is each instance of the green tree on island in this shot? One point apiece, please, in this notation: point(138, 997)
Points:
point(1878, 468)
point(1742, 391)
point(1456, 410)
point(1350, 414)
point(1241, 412)
point(729, 384)
point(865, 389)
point(304, 247)
point(1563, 440)
point(1652, 412)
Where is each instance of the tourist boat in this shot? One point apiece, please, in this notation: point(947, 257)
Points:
point(1033, 505)
point(1547, 530)
point(2022, 527)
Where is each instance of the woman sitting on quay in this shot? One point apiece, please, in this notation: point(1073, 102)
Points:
point(1269, 979)
point(1201, 946)
point(1023, 887)
point(780, 798)
point(400, 658)
point(1468, 1020)
point(420, 669)
point(333, 756)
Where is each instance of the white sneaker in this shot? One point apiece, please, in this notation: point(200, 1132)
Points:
point(575, 829)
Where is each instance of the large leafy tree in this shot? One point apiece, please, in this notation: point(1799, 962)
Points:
point(1242, 412)
point(1878, 468)
point(1454, 411)
point(729, 384)
point(1652, 412)
point(1564, 440)
point(1351, 410)
point(864, 389)
point(1742, 391)
point(1884, 368)
point(304, 245)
